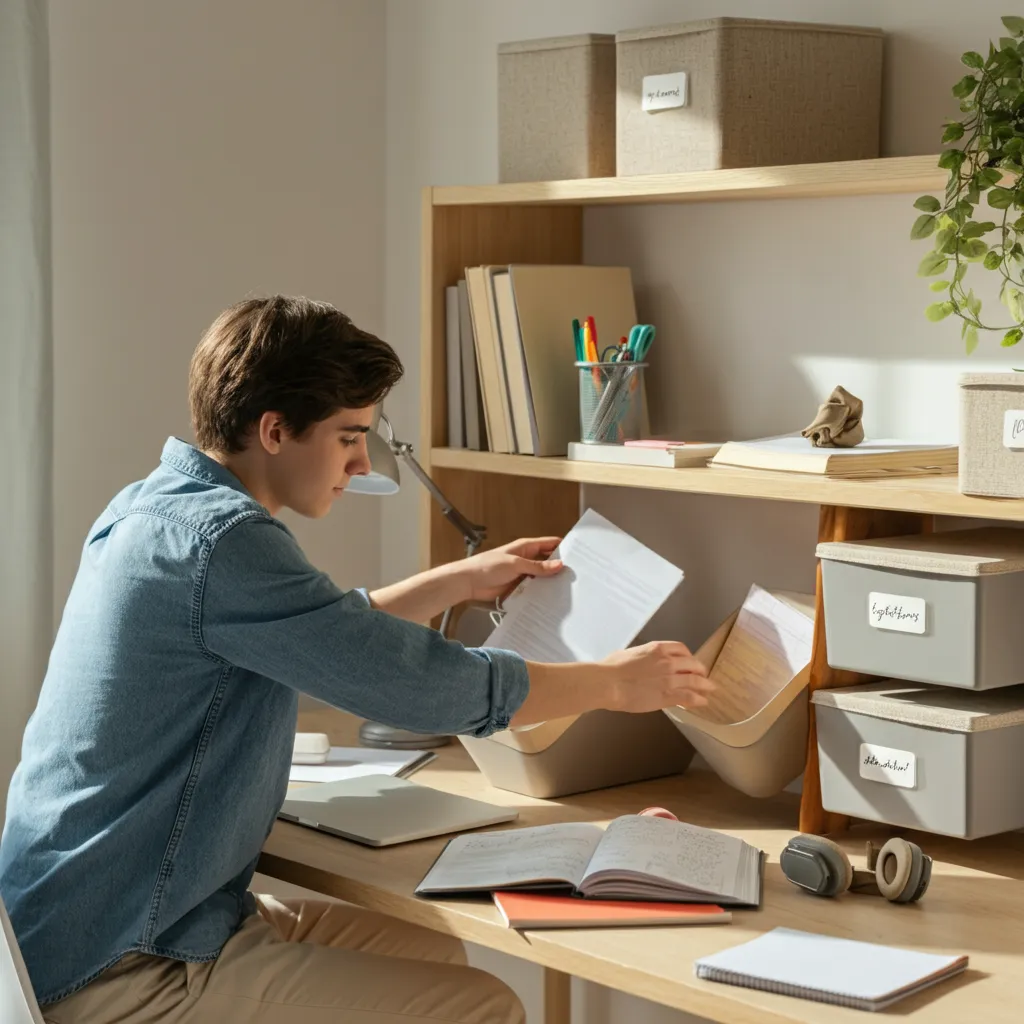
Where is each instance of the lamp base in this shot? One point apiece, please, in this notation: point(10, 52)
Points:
point(375, 734)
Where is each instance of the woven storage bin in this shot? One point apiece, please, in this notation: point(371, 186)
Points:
point(990, 404)
point(556, 108)
point(759, 93)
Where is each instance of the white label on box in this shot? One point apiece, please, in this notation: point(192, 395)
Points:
point(902, 614)
point(663, 92)
point(884, 764)
point(1013, 428)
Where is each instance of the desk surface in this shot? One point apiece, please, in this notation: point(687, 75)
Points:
point(975, 904)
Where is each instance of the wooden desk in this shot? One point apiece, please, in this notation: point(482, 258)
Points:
point(975, 904)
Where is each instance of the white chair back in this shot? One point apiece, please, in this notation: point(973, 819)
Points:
point(17, 1000)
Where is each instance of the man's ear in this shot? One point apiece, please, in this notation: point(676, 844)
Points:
point(271, 431)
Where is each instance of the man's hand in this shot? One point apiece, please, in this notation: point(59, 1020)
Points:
point(658, 675)
point(492, 574)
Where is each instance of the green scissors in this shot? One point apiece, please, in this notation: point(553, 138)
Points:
point(641, 337)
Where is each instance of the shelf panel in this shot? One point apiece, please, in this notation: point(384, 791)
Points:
point(931, 495)
point(884, 176)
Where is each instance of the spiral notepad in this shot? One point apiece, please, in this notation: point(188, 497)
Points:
point(860, 975)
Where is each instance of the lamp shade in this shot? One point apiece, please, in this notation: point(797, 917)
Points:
point(383, 476)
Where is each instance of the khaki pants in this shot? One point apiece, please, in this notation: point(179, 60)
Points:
point(301, 962)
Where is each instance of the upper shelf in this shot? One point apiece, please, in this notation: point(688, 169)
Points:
point(931, 495)
point(888, 175)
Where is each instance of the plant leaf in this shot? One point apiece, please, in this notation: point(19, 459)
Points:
point(932, 264)
point(927, 203)
point(1000, 198)
point(954, 130)
point(973, 304)
point(973, 60)
point(939, 286)
point(951, 159)
point(989, 176)
point(974, 248)
point(975, 229)
point(1011, 337)
point(992, 260)
point(924, 226)
point(971, 338)
point(939, 311)
point(1014, 300)
point(965, 87)
point(1014, 24)
point(959, 273)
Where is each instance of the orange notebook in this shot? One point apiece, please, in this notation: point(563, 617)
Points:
point(538, 910)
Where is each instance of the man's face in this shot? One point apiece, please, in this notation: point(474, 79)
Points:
point(310, 472)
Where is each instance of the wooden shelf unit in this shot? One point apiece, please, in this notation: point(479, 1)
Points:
point(542, 222)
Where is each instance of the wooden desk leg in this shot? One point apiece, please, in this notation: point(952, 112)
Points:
point(840, 524)
point(557, 997)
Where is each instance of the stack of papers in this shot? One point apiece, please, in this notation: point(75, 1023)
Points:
point(352, 762)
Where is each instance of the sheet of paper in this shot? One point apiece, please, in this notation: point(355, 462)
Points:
point(609, 589)
point(698, 858)
point(769, 644)
point(492, 860)
point(351, 762)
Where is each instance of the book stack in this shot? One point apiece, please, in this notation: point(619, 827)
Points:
point(512, 382)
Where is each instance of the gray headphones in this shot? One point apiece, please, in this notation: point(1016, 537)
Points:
point(900, 871)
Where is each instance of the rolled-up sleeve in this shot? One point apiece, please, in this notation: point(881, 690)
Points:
point(265, 609)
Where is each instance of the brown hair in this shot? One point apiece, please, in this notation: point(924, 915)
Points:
point(303, 359)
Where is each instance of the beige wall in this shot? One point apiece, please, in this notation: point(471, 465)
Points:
point(202, 151)
point(761, 307)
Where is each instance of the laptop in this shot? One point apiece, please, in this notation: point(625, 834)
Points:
point(380, 810)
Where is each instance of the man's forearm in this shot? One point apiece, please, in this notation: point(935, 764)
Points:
point(424, 596)
point(568, 689)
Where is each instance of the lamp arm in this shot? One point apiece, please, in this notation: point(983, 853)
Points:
point(473, 534)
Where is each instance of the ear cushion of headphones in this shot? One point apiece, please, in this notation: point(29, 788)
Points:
point(833, 855)
point(902, 871)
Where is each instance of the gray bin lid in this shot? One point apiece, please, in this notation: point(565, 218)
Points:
point(719, 24)
point(985, 552)
point(935, 707)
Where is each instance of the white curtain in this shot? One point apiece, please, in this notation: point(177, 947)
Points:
point(26, 371)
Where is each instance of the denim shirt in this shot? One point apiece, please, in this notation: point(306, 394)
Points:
point(157, 757)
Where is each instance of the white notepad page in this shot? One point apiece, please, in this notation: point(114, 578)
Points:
point(609, 589)
point(842, 971)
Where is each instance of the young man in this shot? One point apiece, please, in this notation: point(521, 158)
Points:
point(157, 757)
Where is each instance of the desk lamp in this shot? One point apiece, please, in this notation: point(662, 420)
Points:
point(384, 479)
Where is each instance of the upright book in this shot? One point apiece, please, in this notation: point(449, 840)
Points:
point(475, 430)
point(635, 858)
point(792, 453)
point(491, 372)
point(453, 359)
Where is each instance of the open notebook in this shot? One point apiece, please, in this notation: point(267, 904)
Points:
point(861, 975)
point(635, 858)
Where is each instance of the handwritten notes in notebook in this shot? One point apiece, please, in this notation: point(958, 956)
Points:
point(768, 645)
point(609, 589)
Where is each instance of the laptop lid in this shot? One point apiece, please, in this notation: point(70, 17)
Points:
point(379, 810)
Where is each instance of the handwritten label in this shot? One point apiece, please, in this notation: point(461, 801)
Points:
point(663, 92)
point(884, 764)
point(1013, 428)
point(901, 614)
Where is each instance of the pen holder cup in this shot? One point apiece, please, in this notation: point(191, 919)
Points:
point(611, 402)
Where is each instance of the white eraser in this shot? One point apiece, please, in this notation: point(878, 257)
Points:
point(310, 748)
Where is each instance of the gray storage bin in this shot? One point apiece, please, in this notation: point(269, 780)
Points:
point(556, 108)
point(959, 757)
point(992, 434)
point(757, 93)
point(936, 608)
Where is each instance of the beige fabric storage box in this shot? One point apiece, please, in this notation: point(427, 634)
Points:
point(923, 757)
point(762, 754)
point(941, 608)
point(573, 755)
point(757, 94)
point(556, 108)
point(992, 434)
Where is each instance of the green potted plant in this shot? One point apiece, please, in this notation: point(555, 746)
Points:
point(980, 219)
point(985, 162)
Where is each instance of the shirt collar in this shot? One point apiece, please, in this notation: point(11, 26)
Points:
point(189, 460)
